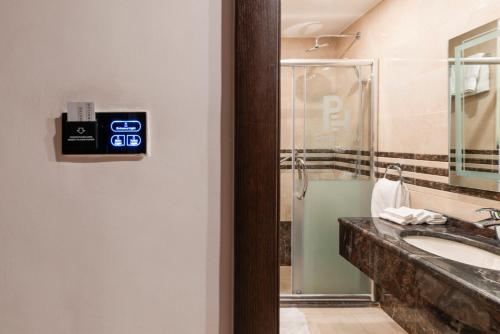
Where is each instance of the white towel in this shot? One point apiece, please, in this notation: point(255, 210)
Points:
point(399, 215)
point(388, 194)
point(483, 82)
point(395, 219)
point(405, 216)
point(403, 212)
point(476, 78)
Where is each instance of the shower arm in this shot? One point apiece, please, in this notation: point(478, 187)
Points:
point(356, 36)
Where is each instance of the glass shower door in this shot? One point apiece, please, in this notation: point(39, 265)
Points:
point(331, 174)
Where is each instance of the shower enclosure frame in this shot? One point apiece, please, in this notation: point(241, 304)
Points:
point(295, 298)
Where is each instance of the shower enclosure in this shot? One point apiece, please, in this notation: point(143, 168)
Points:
point(327, 170)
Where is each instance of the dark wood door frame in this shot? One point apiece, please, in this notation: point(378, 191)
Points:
point(257, 56)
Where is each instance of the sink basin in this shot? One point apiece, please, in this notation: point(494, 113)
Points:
point(456, 251)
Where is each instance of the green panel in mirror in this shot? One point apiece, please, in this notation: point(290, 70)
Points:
point(474, 109)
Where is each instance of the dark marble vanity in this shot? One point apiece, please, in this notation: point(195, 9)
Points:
point(423, 292)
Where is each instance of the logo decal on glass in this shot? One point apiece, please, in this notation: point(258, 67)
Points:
point(334, 115)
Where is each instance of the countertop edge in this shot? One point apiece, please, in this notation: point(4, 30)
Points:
point(423, 263)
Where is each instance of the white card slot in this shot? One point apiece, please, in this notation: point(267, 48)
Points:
point(81, 112)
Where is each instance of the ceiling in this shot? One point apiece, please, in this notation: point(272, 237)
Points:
point(310, 18)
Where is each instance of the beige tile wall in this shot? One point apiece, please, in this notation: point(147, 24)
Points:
point(410, 40)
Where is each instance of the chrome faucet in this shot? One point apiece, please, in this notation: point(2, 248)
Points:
point(492, 222)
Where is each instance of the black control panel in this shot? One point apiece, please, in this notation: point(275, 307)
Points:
point(110, 133)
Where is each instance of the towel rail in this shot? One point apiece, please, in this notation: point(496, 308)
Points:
point(397, 167)
point(476, 61)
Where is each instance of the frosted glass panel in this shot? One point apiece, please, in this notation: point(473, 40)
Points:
point(324, 270)
point(329, 108)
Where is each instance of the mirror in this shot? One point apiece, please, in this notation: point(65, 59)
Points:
point(474, 95)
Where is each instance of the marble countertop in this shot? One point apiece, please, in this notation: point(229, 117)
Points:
point(483, 283)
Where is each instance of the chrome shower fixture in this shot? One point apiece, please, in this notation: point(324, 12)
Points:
point(318, 45)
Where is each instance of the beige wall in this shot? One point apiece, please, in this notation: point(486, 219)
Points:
point(123, 246)
point(410, 40)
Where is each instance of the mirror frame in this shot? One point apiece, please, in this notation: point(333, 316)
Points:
point(459, 176)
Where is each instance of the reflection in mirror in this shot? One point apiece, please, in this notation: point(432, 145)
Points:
point(474, 72)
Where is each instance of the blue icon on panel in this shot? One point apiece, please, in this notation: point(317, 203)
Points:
point(126, 126)
point(118, 140)
point(133, 140)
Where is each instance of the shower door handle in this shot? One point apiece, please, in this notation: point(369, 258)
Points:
point(302, 169)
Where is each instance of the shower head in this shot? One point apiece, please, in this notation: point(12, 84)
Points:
point(317, 44)
point(316, 47)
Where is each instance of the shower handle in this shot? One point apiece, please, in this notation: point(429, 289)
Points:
point(301, 165)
